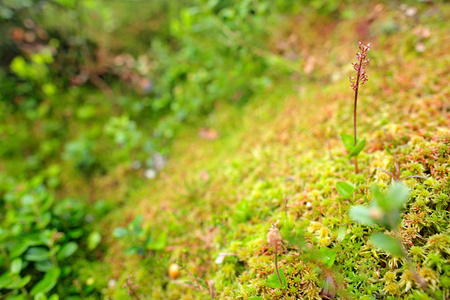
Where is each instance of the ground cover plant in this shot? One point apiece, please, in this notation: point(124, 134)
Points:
point(193, 150)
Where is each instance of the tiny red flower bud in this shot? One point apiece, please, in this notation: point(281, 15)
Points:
point(274, 237)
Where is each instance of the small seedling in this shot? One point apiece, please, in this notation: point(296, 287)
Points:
point(352, 143)
point(385, 210)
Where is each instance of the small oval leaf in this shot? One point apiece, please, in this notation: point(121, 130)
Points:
point(387, 243)
point(37, 254)
point(47, 283)
point(274, 282)
point(345, 188)
point(361, 214)
point(16, 266)
point(93, 240)
point(358, 148)
point(67, 250)
point(348, 141)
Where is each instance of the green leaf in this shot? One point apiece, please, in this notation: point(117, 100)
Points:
point(67, 250)
point(19, 248)
point(380, 199)
point(397, 195)
point(386, 243)
point(120, 232)
point(44, 265)
point(93, 240)
point(47, 283)
point(135, 225)
point(348, 141)
point(5, 278)
point(255, 298)
point(158, 243)
point(76, 233)
point(361, 214)
point(28, 200)
point(345, 188)
point(45, 219)
point(134, 250)
point(20, 282)
point(37, 254)
point(328, 256)
point(394, 199)
point(358, 148)
point(342, 232)
point(13, 281)
point(273, 281)
point(16, 266)
point(40, 296)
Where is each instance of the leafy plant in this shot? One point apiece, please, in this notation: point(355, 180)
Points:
point(37, 236)
point(352, 143)
point(140, 238)
point(385, 211)
point(385, 208)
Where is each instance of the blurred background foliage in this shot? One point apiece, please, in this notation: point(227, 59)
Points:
point(154, 65)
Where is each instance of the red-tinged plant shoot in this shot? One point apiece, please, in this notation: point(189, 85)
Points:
point(277, 280)
point(131, 287)
point(352, 143)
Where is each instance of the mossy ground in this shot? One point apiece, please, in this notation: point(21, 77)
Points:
point(280, 157)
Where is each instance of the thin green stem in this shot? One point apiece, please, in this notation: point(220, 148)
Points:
point(276, 266)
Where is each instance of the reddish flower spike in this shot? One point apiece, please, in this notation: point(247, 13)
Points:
point(360, 66)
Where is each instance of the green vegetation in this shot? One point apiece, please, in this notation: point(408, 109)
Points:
point(192, 150)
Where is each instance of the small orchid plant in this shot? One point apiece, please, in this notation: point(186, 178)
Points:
point(276, 280)
point(352, 143)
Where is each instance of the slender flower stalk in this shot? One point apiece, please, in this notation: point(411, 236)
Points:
point(355, 83)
